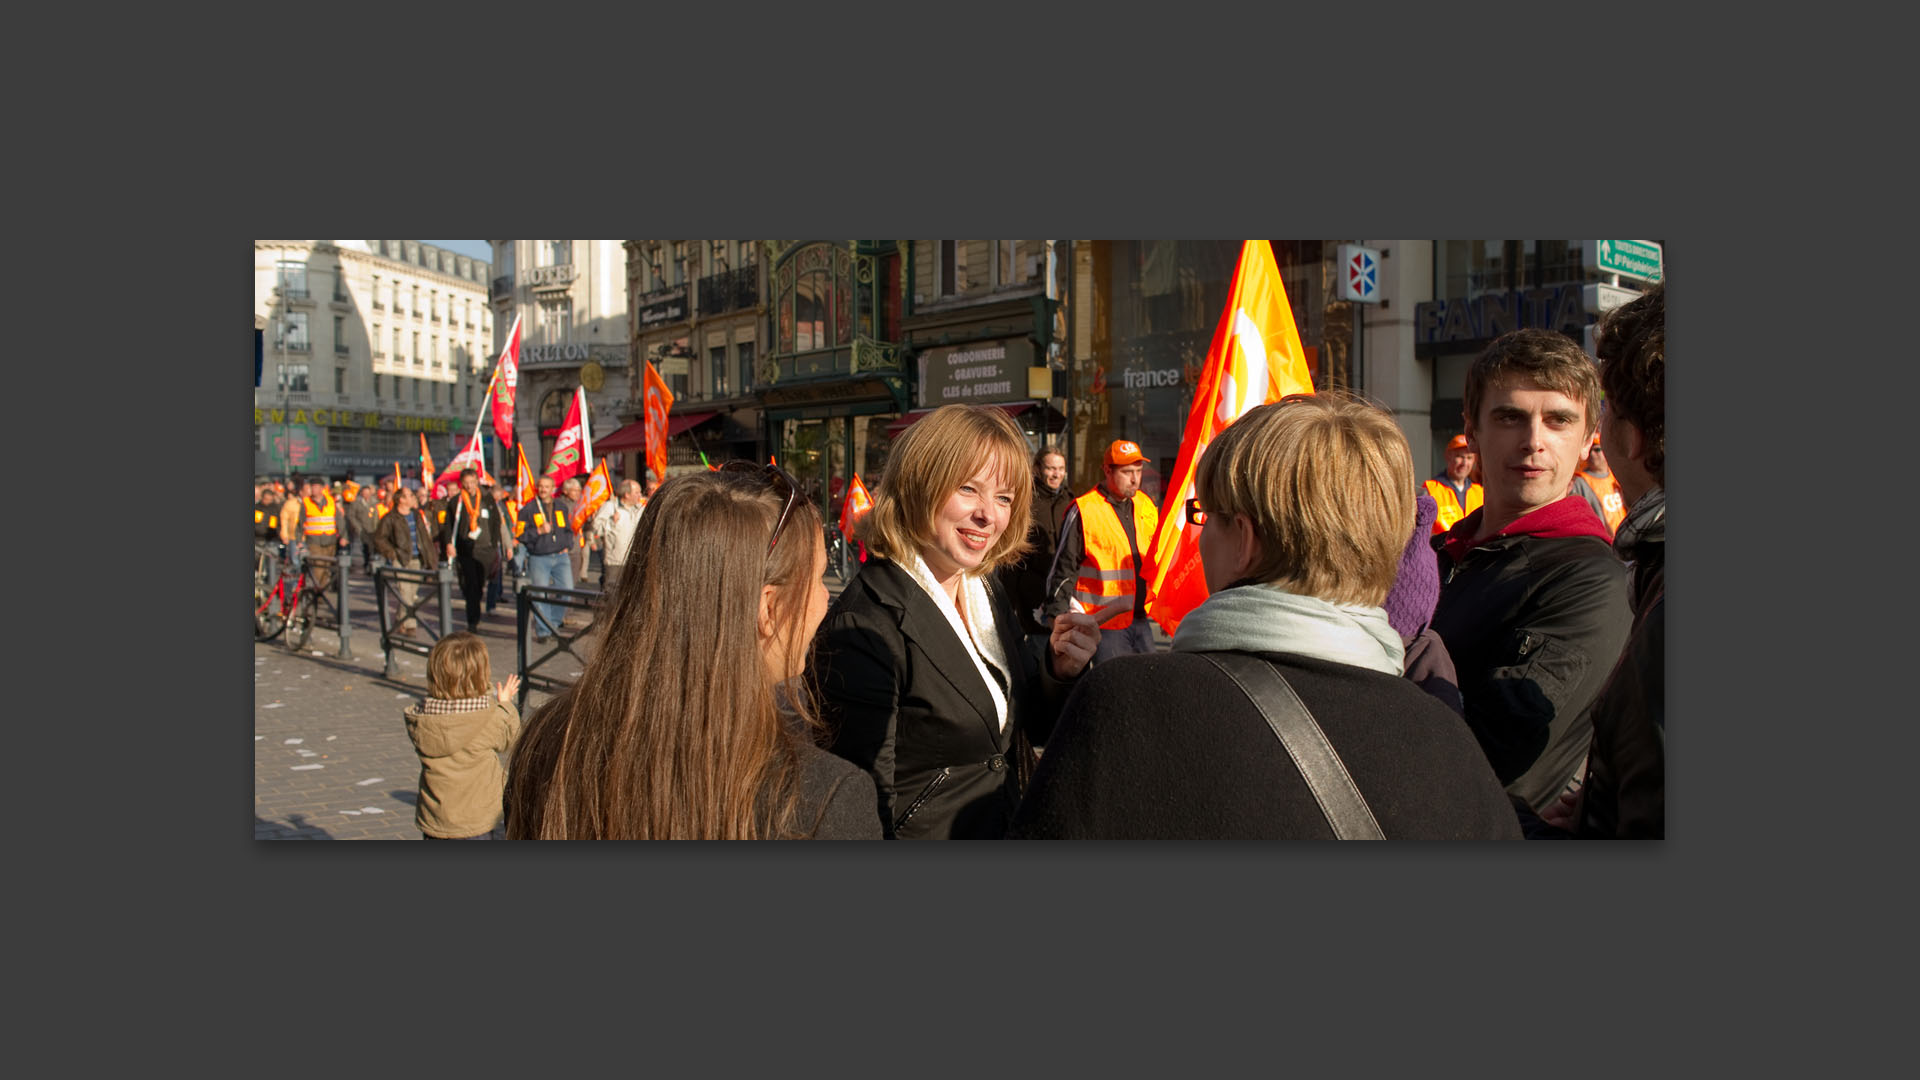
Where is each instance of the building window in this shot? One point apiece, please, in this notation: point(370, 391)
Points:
point(749, 252)
point(433, 392)
point(433, 304)
point(556, 321)
point(717, 369)
point(416, 391)
point(339, 334)
point(559, 253)
point(396, 346)
point(416, 350)
point(681, 256)
point(469, 395)
point(293, 378)
point(376, 386)
point(717, 260)
point(292, 331)
point(436, 352)
point(377, 305)
point(374, 339)
point(339, 380)
point(292, 279)
point(744, 354)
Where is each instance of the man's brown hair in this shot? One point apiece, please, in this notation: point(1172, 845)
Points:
point(1631, 342)
point(1546, 359)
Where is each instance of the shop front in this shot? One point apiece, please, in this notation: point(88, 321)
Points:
point(349, 443)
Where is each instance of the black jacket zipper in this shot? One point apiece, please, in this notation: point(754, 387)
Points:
point(925, 794)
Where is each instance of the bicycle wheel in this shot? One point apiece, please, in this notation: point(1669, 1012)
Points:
point(300, 623)
point(267, 620)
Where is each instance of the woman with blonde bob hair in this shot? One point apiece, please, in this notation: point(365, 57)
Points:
point(690, 721)
point(1305, 506)
point(923, 680)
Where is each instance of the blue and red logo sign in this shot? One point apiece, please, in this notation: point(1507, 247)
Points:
point(1363, 275)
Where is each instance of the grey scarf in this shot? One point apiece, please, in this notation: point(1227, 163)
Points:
point(1265, 618)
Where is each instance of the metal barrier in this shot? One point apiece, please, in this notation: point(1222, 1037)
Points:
point(333, 598)
point(525, 597)
point(385, 577)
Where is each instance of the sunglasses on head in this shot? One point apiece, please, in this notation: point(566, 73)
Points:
point(777, 478)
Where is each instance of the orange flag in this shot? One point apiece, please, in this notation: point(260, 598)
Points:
point(595, 495)
point(396, 476)
point(426, 462)
point(658, 399)
point(856, 507)
point(523, 481)
point(1255, 359)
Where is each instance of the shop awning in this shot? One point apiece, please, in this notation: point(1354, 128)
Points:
point(634, 436)
point(678, 424)
point(1011, 408)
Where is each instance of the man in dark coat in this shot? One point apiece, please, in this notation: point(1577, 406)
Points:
point(405, 538)
point(1533, 601)
point(1026, 578)
point(1624, 794)
point(476, 536)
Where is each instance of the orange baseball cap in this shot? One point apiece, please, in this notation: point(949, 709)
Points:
point(1458, 442)
point(1596, 438)
point(1123, 452)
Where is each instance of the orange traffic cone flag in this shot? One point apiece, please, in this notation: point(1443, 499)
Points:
point(856, 507)
point(1255, 359)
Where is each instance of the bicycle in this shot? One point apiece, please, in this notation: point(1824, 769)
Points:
point(837, 553)
point(282, 609)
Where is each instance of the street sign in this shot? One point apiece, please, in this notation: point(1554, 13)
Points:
point(1599, 297)
point(1359, 274)
point(1634, 258)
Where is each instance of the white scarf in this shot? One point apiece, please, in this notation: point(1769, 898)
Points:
point(1265, 618)
point(977, 633)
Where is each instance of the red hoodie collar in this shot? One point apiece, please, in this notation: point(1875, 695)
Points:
point(1571, 516)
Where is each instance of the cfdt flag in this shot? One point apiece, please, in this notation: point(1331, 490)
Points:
point(598, 490)
point(426, 462)
point(856, 507)
point(471, 456)
point(658, 400)
point(573, 450)
point(506, 378)
point(523, 491)
point(1255, 359)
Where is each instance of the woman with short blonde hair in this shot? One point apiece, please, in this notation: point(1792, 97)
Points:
point(1305, 506)
point(923, 680)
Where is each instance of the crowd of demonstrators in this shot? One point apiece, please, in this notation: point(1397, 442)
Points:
point(1025, 578)
point(459, 732)
point(691, 720)
point(1594, 483)
point(1305, 508)
point(1454, 490)
point(1624, 794)
point(1479, 656)
point(612, 531)
point(405, 538)
point(923, 679)
point(580, 553)
point(1533, 601)
point(1099, 567)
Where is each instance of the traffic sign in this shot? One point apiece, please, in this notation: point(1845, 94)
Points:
point(1359, 274)
point(1597, 298)
point(1634, 258)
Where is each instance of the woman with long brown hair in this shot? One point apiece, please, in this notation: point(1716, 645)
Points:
point(922, 674)
point(691, 721)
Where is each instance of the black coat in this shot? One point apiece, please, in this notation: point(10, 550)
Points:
point(836, 799)
point(1533, 625)
point(904, 701)
point(1626, 791)
point(1167, 747)
point(1026, 579)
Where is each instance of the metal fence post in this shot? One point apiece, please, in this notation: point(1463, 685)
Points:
point(344, 562)
point(446, 598)
point(381, 585)
point(522, 607)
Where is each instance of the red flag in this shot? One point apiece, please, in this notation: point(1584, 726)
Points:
point(506, 378)
point(523, 490)
point(595, 495)
point(573, 450)
point(856, 507)
point(1255, 359)
point(470, 456)
point(658, 400)
point(426, 462)
point(396, 476)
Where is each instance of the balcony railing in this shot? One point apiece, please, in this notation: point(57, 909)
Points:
point(294, 292)
point(343, 350)
point(502, 287)
point(729, 290)
point(293, 345)
point(378, 306)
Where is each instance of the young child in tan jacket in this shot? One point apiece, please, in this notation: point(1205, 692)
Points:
point(459, 731)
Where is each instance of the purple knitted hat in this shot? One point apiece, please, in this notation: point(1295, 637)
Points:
point(1416, 588)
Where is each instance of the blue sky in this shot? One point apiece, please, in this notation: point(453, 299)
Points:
point(473, 249)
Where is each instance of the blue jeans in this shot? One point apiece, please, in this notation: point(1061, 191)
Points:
point(550, 571)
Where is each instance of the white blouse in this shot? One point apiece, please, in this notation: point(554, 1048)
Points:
point(977, 632)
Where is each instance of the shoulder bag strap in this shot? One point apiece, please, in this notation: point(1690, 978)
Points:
point(1320, 766)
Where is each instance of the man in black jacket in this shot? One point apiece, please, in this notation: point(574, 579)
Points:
point(476, 536)
point(1533, 601)
point(1624, 794)
point(1026, 579)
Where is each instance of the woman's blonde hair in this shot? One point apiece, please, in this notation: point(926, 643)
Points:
point(1327, 480)
point(930, 462)
point(674, 730)
point(457, 667)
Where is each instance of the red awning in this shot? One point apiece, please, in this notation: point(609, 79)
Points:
point(634, 437)
point(631, 437)
point(1011, 408)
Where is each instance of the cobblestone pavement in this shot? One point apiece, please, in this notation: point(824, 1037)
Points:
point(331, 758)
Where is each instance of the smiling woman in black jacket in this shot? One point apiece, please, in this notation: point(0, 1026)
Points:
point(922, 679)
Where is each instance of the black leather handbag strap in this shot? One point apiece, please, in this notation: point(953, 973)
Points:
point(1320, 766)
